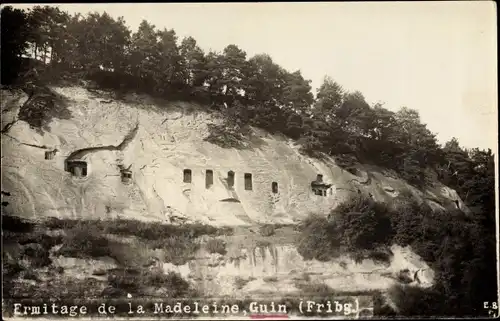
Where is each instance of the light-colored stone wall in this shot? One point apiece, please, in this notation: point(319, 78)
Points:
point(170, 139)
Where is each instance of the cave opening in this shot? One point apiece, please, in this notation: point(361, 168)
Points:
point(187, 176)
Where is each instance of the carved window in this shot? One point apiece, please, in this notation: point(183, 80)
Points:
point(187, 176)
point(248, 181)
point(274, 187)
point(209, 178)
point(77, 168)
point(230, 179)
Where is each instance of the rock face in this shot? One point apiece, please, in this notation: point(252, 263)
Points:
point(281, 269)
point(168, 159)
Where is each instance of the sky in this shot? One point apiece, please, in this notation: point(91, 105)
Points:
point(439, 58)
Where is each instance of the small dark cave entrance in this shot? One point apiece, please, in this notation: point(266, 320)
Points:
point(230, 179)
point(126, 176)
point(274, 187)
point(77, 168)
point(248, 182)
point(187, 176)
point(319, 187)
point(209, 178)
point(50, 154)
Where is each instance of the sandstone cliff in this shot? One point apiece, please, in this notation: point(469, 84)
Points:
point(158, 141)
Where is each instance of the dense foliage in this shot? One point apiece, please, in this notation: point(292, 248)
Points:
point(44, 43)
point(459, 248)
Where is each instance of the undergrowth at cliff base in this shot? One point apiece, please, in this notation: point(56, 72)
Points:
point(452, 245)
point(31, 243)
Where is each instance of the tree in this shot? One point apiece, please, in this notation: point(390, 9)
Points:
point(98, 43)
point(193, 62)
point(144, 54)
point(419, 147)
point(215, 76)
point(48, 30)
point(234, 69)
point(14, 42)
point(297, 93)
point(355, 114)
point(329, 98)
point(170, 74)
point(265, 81)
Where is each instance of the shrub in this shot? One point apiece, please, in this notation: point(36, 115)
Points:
point(44, 240)
point(155, 231)
point(138, 283)
point(84, 243)
point(145, 230)
point(316, 289)
point(111, 292)
point(125, 279)
point(216, 246)
point(42, 106)
point(11, 268)
point(270, 279)
point(99, 272)
point(177, 286)
point(413, 301)
point(360, 224)
point(382, 255)
point(363, 223)
point(263, 243)
point(226, 136)
point(16, 224)
point(178, 249)
point(30, 275)
point(37, 255)
point(267, 230)
point(240, 283)
point(319, 239)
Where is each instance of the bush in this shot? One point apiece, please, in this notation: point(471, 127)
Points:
point(155, 231)
point(42, 106)
point(216, 246)
point(382, 255)
point(226, 135)
point(319, 239)
point(267, 230)
point(240, 283)
point(16, 224)
point(178, 249)
point(11, 268)
point(316, 289)
point(270, 279)
point(30, 275)
point(179, 242)
point(148, 231)
point(45, 241)
point(37, 255)
point(414, 301)
point(363, 223)
point(359, 224)
point(84, 243)
point(99, 272)
point(125, 279)
point(177, 286)
point(139, 282)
